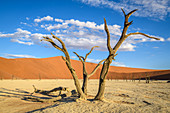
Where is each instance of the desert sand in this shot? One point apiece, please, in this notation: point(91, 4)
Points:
point(121, 97)
point(55, 68)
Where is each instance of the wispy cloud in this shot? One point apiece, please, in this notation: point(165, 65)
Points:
point(168, 39)
point(156, 47)
point(27, 18)
point(47, 18)
point(18, 56)
point(118, 64)
point(20, 36)
point(88, 59)
point(157, 9)
point(93, 60)
point(24, 37)
point(98, 60)
point(58, 20)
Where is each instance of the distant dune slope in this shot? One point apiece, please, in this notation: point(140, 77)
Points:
point(55, 68)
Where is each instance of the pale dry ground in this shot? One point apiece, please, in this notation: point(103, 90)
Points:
point(122, 96)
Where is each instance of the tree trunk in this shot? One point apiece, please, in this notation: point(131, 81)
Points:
point(85, 74)
point(79, 90)
point(105, 68)
point(76, 81)
point(85, 81)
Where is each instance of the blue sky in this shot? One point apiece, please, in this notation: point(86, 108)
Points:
point(79, 23)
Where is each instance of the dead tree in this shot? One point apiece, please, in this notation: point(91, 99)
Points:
point(139, 78)
point(12, 77)
point(133, 78)
point(112, 51)
point(68, 63)
point(107, 62)
point(147, 78)
point(39, 76)
point(85, 74)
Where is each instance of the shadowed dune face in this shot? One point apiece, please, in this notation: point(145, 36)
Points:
point(55, 68)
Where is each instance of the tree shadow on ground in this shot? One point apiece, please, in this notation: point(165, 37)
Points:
point(36, 97)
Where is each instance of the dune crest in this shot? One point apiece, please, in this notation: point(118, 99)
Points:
point(55, 68)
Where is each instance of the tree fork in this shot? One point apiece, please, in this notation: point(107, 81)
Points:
point(85, 74)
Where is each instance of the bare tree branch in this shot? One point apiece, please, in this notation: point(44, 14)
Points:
point(90, 52)
point(62, 43)
point(129, 23)
point(95, 69)
point(52, 42)
point(80, 57)
point(63, 47)
point(64, 58)
point(126, 23)
point(129, 14)
point(68, 63)
point(123, 12)
point(138, 33)
point(57, 38)
point(108, 37)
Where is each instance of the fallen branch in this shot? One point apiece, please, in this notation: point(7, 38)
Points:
point(51, 99)
point(60, 89)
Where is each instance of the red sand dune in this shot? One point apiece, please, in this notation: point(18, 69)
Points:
point(55, 68)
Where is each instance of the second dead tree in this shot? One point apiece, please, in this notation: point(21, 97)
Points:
point(85, 74)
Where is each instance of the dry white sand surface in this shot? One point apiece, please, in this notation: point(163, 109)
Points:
point(121, 96)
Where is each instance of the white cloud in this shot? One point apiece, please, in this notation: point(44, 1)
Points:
point(115, 29)
point(72, 24)
point(24, 37)
point(73, 57)
point(57, 26)
point(23, 23)
point(88, 59)
point(81, 24)
point(20, 36)
point(168, 39)
point(84, 35)
point(18, 56)
point(158, 9)
point(21, 42)
point(47, 18)
point(78, 35)
point(118, 64)
point(42, 26)
point(155, 47)
point(113, 63)
point(58, 20)
point(27, 18)
point(93, 60)
point(127, 47)
point(26, 24)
